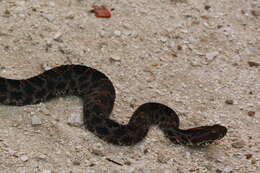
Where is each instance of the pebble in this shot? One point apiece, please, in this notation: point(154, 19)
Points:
point(137, 170)
point(251, 113)
point(98, 150)
point(250, 52)
point(238, 144)
point(171, 44)
point(57, 36)
point(249, 156)
point(24, 158)
point(46, 171)
point(75, 119)
point(228, 170)
point(64, 50)
point(207, 7)
point(128, 162)
point(218, 170)
point(163, 39)
point(229, 102)
point(48, 44)
point(127, 33)
point(43, 109)
point(52, 4)
point(50, 18)
point(70, 16)
point(253, 161)
point(7, 13)
point(195, 62)
point(253, 64)
point(117, 33)
point(161, 158)
point(132, 102)
point(255, 13)
point(115, 58)
point(114, 171)
point(36, 121)
point(183, 161)
point(211, 55)
point(102, 33)
point(41, 156)
point(45, 66)
point(75, 162)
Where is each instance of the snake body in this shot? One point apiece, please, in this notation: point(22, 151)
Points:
point(98, 94)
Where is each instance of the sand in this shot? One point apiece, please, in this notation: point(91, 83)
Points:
point(199, 57)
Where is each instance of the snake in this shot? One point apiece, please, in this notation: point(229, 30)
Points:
point(98, 95)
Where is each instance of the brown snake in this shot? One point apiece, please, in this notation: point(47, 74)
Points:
point(98, 94)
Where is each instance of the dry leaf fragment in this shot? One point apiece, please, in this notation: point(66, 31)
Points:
point(101, 11)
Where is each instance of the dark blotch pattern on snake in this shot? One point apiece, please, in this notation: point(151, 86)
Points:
point(98, 96)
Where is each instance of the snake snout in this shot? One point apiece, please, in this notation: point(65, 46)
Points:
point(219, 130)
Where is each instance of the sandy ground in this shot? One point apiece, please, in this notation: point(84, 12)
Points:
point(200, 57)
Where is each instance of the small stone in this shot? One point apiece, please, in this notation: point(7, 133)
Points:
point(127, 162)
point(24, 158)
point(127, 33)
point(102, 33)
point(255, 13)
point(52, 4)
point(253, 64)
point(115, 58)
point(249, 156)
point(250, 52)
point(137, 170)
point(132, 102)
point(207, 7)
point(64, 50)
point(46, 67)
point(163, 39)
point(46, 171)
point(179, 47)
point(43, 109)
point(134, 34)
point(57, 36)
point(238, 144)
point(187, 155)
point(75, 119)
point(162, 159)
point(228, 170)
point(70, 16)
point(253, 161)
point(218, 171)
point(114, 171)
point(50, 18)
point(75, 162)
point(36, 121)
point(48, 45)
point(251, 113)
point(41, 156)
point(98, 150)
point(211, 55)
point(171, 44)
point(229, 102)
point(117, 33)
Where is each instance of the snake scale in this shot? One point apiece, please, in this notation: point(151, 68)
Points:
point(98, 94)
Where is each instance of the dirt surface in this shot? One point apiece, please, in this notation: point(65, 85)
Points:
point(199, 57)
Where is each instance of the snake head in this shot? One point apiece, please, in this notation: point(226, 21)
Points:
point(201, 136)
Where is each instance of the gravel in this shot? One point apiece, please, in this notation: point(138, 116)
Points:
point(191, 55)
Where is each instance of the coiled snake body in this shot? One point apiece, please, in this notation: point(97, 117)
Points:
point(98, 96)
